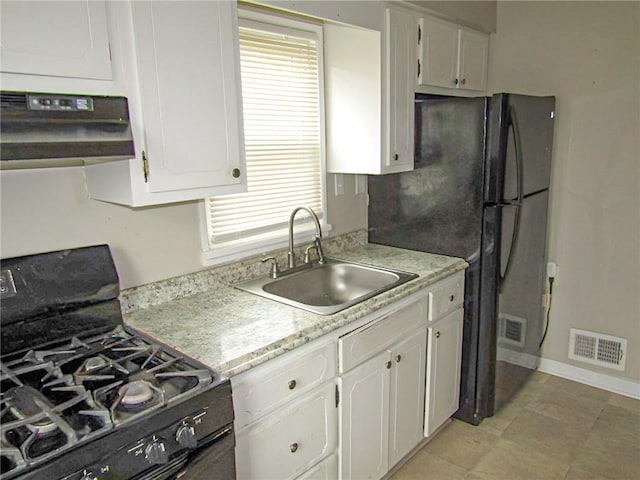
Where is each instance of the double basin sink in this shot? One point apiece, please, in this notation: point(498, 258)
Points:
point(327, 288)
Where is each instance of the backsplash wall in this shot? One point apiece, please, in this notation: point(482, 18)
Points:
point(48, 209)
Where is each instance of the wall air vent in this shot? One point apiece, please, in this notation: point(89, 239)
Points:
point(597, 349)
point(511, 330)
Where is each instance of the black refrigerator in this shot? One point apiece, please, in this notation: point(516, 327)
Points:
point(479, 190)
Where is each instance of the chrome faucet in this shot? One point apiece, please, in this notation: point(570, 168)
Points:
point(291, 257)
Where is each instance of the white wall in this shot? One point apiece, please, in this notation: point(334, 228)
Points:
point(479, 14)
point(476, 13)
point(48, 209)
point(587, 54)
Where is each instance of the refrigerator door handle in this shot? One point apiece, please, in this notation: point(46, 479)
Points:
point(512, 246)
point(513, 124)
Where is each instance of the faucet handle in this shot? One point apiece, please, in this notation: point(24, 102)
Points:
point(275, 271)
point(307, 252)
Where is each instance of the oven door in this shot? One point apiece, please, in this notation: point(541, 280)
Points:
point(216, 460)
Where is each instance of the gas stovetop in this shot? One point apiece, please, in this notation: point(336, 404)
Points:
point(56, 398)
point(79, 390)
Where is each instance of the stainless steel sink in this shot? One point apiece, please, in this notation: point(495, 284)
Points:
point(328, 288)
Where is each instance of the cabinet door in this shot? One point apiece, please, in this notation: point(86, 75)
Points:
point(407, 395)
point(473, 57)
point(444, 354)
point(400, 69)
point(438, 54)
point(286, 443)
point(55, 38)
point(364, 419)
point(189, 74)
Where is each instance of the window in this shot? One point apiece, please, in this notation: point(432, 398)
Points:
point(283, 129)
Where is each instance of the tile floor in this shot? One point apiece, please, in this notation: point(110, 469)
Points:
point(552, 429)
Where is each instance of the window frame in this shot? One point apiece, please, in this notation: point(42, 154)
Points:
point(278, 238)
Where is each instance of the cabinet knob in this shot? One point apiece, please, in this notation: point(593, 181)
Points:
point(292, 384)
point(437, 334)
point(294, 447)
point(388, 365)
point(235, 173)
point(398, 358)
point(455, 82)
point(451, 298)
point(396, 156)
point(464, 80)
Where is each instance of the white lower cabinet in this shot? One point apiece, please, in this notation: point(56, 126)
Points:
point(354, 403)
point(286, 443)
point(286, 415)
point(382, 399)
point(364, 419)
point(407, 395)
point(443, 370)
point(444, 351)
point(325, 470)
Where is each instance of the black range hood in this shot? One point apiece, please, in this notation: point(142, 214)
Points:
point(47, 129)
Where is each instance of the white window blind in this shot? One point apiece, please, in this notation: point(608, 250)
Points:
point(281, 103)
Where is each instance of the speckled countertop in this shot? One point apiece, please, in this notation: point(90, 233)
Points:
point(231, 331)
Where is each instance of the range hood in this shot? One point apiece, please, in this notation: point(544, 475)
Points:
point(47, 129)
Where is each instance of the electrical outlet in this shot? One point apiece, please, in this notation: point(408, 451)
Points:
point(339, 183)
point(361, 184)
point(552, 272)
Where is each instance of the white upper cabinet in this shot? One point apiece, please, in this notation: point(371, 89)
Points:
point(473, 55)
point(189, 88)
point(182, 76)
point(399, 67)
point(451, 56)
point(369, 95)
point(62, 39)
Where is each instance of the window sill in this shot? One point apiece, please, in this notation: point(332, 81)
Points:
point(259, 245)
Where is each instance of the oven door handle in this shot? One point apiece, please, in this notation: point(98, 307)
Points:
point(214, 459)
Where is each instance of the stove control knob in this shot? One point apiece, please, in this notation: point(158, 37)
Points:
point(156, 452)
point(186, 436)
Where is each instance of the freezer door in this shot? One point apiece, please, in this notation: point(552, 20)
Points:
point(529, 143)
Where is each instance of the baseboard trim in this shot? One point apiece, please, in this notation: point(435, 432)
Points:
point(621, 386)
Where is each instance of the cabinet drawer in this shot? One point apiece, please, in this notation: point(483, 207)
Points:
point(446, 297)
point(325, 470)
point(356, 347)
point(281, 380)
point(287, 442)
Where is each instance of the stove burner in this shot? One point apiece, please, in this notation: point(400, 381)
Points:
point(26, 403)
point(94, 363)
point(136, 393)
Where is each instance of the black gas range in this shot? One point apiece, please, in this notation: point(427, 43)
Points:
point(84, 397)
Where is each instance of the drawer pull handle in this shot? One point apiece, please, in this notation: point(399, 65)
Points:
point(398, 358)
point(451, 297)
point(437, 334)
point(292, 384)
point(294, 447)
point(388, 365)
